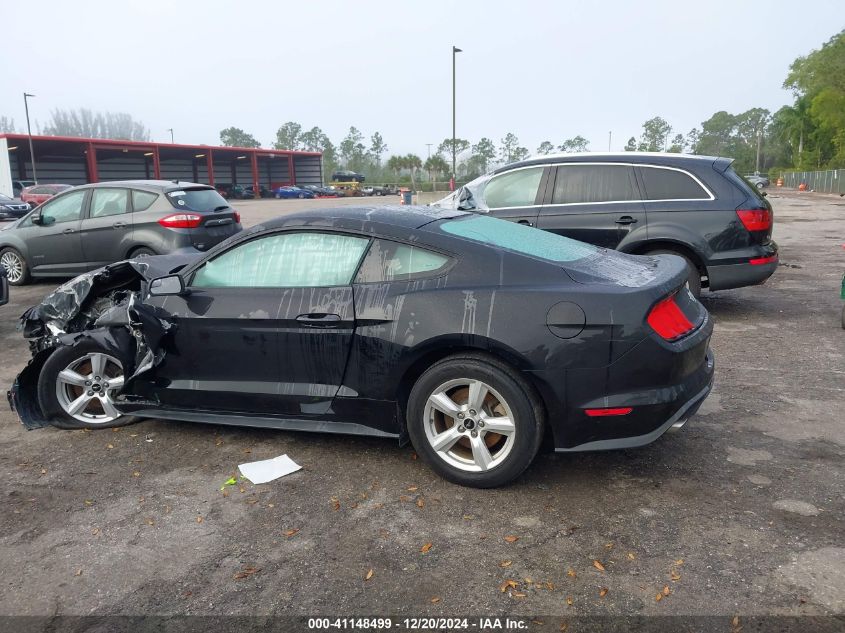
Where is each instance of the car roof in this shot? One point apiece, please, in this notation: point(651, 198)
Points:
point(151, 185)
point(400, 217)
point(659, 158)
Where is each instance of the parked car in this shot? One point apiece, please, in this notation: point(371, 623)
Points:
point(263, 192)
point(385, 190)
point(696, 207)
point(368, 190)
point(293, 192)
point(11, 209)
point(37, 194)
point(758, 181)
point(347, 176)
point(19, 185)
point(611, 350)
point(93, 225)
point(231, 192)
point(320, 192)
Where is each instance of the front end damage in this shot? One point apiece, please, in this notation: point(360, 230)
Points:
point(105, 306)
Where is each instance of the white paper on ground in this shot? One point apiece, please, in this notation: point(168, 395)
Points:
point(269, 469)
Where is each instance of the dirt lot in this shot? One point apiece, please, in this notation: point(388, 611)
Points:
point(741, 513)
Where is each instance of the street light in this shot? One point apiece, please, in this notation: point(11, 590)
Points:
point(26, 95)
point(455, 51)
point(170, 129)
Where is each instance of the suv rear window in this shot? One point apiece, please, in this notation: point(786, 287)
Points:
point(518, 238)
point(197, 199)
point(669, 184)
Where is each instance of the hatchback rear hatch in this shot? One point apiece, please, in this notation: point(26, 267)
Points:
point(755, 211)
point(204, 214)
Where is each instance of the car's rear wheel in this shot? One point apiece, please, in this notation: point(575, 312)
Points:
point(77, 387)
point(474, 421)
point(143, 251)
point(693, 274)
point(17, 271)
point(301, 196)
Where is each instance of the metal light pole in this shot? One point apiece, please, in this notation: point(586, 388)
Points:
point(170, 129)
point(29, 132)
point(609, 139)
point(455, 51)
point(759, 142)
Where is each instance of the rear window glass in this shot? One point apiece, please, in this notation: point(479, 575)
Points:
point(141, 200)
point(592, 183)
point(747, 187)
point(669, 184)
point(518, 238)
point(391, 261)
point(197, 199)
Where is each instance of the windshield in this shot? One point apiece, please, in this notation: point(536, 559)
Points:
point(5, 198)
point(518, 238)
point(197, 199)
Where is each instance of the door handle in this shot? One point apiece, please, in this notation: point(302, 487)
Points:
point(525, 223)
point(626, 219)
point(67, 231)
point(318, 319)
point(119, 225)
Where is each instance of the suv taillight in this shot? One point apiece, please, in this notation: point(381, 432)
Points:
point(237, 218)
point(668, 321)
point(181, 221)
point(755, 219)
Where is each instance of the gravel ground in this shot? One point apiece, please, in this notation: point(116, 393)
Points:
point(741, 513)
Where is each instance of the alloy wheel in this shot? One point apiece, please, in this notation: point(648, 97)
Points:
point(86, 388)
point(469, 425)
point(13, 265)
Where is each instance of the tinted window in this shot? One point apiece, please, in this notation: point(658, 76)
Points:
point(390, 261)
point(518, 238)
point(668, 184)
point(39, 190)
point(108, 202)
point(593, 183)
point(197, 199)
point(65, 208)
point(513, 189)
point(141, 200)
point(289, 260)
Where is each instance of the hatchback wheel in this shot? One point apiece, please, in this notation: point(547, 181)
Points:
point(78, 385)
point(474, 421)
point(16, 269)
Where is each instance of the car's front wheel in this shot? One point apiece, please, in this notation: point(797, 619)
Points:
point(474, 421)
point(16, 269)
point(77, 387)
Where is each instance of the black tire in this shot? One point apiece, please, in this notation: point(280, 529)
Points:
point(48, 399)
point(22, 276)
point(694, 276)
point(524, 405)
point(142, 251)
point(301, 196)
point(843, 317)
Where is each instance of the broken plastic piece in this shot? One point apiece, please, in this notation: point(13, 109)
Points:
point(269, 469)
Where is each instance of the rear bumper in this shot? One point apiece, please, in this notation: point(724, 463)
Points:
point(756, 269)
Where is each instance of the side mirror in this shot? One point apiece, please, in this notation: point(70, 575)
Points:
point(167, 286)
point(465, 200)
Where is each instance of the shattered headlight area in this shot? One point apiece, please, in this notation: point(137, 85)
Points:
point(105, 306)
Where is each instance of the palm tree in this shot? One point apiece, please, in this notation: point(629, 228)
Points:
point(412, 162)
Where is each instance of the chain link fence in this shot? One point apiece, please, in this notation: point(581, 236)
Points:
point(828, 181)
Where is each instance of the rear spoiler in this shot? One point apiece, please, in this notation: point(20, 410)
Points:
point(721, 164)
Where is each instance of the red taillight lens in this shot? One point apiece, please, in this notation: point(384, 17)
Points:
point(181, 221)
point(668, 321)
point(601, 413)
point(755, 219)
point(763, 260)
point(237, 218)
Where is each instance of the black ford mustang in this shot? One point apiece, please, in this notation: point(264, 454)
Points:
point(470, 336)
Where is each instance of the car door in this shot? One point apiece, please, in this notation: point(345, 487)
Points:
point(107, 227)
point(54, 243)
point(516, 195)
point(266, 326)
point(598, 203)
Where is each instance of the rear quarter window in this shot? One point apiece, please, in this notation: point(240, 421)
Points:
point(197, 199)
point(142, 200)
point(670, 184)
point(392, 261)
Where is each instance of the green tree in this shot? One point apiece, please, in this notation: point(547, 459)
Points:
point(631, 146)
point(483, 152)
point(577, 144)
point(678, 143)
point(545, 148)
point(236, 137)
point(446, 149)
point(396, 164)
point(509, 148)
point(352, 149)
point(7, 125)
point(289, 136)
point(435, 165)
point(314, 140)
point(88, 124)
point(655, 135)
point(412, 162)
point(377, 146)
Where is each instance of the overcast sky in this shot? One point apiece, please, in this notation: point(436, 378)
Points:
point(543, 70)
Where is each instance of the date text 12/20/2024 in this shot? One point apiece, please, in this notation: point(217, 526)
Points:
point(419, 624)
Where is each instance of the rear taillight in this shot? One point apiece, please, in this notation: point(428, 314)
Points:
point(181, 221)
point(668, 321)
point(237, 218)
point(755, 219)
point(603, 413)
point(759, 261)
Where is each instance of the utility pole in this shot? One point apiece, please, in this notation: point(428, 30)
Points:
point(609, 139)
point(170, 129)
point(29, 132)
point(429, 148)
point(455, 51)
point(759, 142)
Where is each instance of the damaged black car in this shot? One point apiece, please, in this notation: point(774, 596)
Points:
point(473, 338)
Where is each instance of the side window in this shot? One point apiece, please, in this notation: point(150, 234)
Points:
point(38, 190)
point(516, 188)
point(64, 208)
point(142, 200)
point(669, 184)
point(390, 261)
point(108, 202)
point(288, 260)
point(593, 183)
